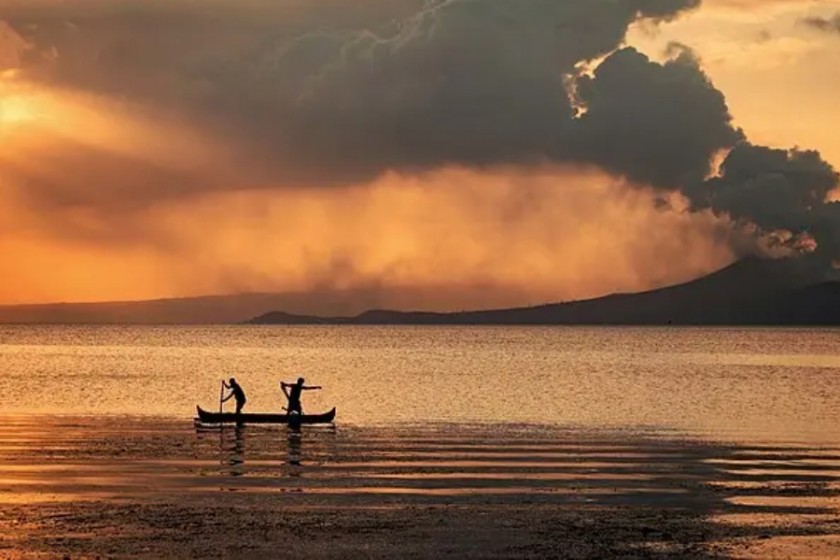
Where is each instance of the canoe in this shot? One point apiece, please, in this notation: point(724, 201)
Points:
point(245, 418)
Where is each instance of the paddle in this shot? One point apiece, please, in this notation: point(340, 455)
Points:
point(221, 396)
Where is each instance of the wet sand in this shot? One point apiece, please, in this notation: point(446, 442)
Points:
point(131, 487)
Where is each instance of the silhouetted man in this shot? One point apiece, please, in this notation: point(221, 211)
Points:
point(293, 392)
point(235, 392)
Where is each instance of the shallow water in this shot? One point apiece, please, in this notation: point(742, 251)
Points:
point(81, 458)
point(73, 485)
point(737, 428)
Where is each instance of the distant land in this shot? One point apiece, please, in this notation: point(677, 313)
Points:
point(239, 308)
point(749, 292)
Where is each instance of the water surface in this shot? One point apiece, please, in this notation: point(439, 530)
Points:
point(772, 384)
point(722, 435)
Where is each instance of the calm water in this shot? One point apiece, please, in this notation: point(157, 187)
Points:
point(756, 384)
point(739, 428)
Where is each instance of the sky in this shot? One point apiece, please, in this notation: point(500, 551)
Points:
point(529, 150)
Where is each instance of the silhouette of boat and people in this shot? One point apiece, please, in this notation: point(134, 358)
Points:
point(293, 393)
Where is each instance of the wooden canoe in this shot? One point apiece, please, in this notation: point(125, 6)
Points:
point(206, 417)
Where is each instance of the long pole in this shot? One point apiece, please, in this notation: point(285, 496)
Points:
point(221, 395)
point(221, 403)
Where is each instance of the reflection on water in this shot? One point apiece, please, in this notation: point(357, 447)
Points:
point(232, 442)
point(744, 384)
point(752, 489)
point(236, 450)
point(294, 448)
point(68, 458)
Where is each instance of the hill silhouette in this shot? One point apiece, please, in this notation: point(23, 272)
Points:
point(750, 292)
point(237, 308)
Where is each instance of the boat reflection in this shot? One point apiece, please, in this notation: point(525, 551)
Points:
point(294, 451)
point(271, 452)
point(236, 458)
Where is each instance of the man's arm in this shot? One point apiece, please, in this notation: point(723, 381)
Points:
point(311, 388)
point(227, 398)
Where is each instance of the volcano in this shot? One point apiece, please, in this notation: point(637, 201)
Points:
point(749, 292)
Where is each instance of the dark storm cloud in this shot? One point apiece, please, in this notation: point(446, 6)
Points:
point(776, 190)
point(169, 52)
point(314, 93)
point(768, 186)
point(471, 82)
point(656, 124)
point(829, 25)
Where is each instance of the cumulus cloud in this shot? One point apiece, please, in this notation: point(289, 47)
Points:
point(288, 96)
point(776, 190)
point(658, 124)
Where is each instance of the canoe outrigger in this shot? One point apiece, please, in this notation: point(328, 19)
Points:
point(206, 417)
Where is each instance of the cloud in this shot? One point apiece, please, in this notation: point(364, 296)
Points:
point(776, 190)
point(827, 24)
point(273, 98)
point(658, 124)
point(461, 82)
point(12, 47)
point(458, 82)
point(453, 238)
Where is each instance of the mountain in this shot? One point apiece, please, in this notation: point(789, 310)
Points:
point(196, 310)
point(750, 292)
point(814, 305)
point(236, 308)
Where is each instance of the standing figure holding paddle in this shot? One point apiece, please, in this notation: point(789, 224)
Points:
point(293, 392)
point(235, 392)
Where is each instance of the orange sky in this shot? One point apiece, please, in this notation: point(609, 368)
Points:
point(781, 78)
point(543, 231)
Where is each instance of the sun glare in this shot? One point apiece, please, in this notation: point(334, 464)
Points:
point(17, 109)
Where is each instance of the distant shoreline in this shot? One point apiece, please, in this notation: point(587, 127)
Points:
point(748, 293)
point(751, 292)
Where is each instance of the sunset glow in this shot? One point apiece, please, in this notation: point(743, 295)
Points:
point(419, 278)
point(17, 109)
point(141, 171)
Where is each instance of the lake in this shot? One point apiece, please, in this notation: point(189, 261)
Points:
point(768, 384)
point(668, 440)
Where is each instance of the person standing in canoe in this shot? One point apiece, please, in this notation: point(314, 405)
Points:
point(236, 392)
point(293, 392)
